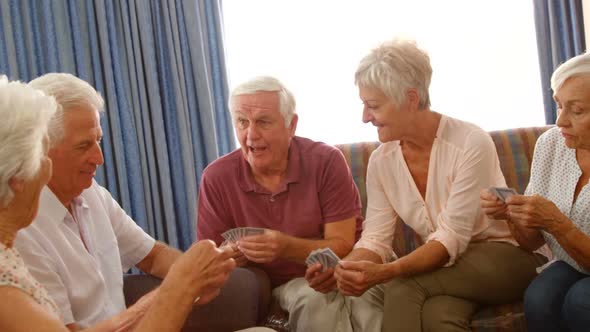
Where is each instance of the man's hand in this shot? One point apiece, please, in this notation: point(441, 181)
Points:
point(539, 213)
point(323, 282)
point(263, 248)
point(492, 206)
point(238, 256)
point(202, 269)
point(354, 278)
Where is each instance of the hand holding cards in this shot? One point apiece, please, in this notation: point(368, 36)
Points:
point(325, 256)
point(235, 234)
point(503, 193)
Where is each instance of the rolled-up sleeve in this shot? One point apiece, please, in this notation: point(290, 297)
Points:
point(456, 220)
point(379, 225)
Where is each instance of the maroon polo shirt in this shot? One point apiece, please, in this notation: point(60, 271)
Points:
point(318, 189)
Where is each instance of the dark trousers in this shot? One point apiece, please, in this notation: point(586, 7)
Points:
point(558, 300)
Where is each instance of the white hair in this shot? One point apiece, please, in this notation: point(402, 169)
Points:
point(393, 68)
point(70, 92)
point(576, 66)
point(25, 114)
point(267, 84)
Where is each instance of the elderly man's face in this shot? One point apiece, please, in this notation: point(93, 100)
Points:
point(262, 133)
point(573, 103)
point(77, 156)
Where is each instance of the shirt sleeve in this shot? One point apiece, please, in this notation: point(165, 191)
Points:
point(474, 171)
point(379, 225)
point(134, 243)
point(212, 217)
point(42, 267)
point(339, 197)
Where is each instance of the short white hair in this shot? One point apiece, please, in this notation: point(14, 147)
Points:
point(267, 84)
point(70, 92)
point(576, 66)
point(25, 114)
point(393, 68)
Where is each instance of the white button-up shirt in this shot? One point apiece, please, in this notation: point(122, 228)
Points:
point(81, 259)
point(463, 161)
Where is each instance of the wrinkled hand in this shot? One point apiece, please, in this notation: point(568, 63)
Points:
point(238, 256)
point(323, 282)
point(354, 278)
point(537, 212)
point(203, 269)
point(263, 248)
point(492, 206)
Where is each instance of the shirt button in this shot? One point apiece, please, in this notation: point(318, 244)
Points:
point(272, 199)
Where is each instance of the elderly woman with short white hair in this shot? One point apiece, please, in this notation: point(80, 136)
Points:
point(428, 174)
point(24, 169)
point(555, 208)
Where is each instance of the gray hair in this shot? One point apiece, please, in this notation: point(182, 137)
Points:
point(394, 67)
point(25, 114)
point(576, 66)
point(267, 84)
point(69, 91)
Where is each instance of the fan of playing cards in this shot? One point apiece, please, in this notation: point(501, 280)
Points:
point(324, 256)
point(503, 193)
point(234, 234)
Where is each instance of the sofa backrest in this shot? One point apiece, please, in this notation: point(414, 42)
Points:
point(515, 151)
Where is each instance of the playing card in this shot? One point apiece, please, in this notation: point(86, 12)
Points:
point(236, 234)
point(325, 256)
point(503, 193)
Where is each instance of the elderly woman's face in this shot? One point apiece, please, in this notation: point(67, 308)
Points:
point(573, 103)
point(391, 121)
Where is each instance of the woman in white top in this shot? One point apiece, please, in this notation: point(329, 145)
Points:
point(24, 170)
point(428, 174)
point(556, 208)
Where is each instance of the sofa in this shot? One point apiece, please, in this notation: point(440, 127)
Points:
point(515, 151)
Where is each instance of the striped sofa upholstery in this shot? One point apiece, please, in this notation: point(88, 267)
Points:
point(515, 151)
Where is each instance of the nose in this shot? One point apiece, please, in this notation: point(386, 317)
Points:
point(252, 132)
point(562, 119)
point(96, 156)
point(367, 115)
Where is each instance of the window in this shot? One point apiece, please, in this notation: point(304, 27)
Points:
point(483, 54)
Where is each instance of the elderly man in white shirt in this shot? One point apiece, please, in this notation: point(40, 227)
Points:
point(82, 240)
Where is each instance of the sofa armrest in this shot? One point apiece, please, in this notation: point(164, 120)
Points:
point(242, 302)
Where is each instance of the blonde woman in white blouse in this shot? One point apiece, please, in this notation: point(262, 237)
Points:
point(556, 208)
point(428, 174)
point(24, 170)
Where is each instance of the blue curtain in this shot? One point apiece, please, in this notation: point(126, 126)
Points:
point(560, 36)
point(160, 67)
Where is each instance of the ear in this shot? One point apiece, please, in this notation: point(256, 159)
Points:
point(412, 99)
point(17, 185)
point(293, 125)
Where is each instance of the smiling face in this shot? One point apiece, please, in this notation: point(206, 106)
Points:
point(77, 156)
point(573, 103)
point(391, 121)
point(261, 130)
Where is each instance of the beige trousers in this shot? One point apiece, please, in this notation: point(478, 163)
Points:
point(313, 311)
point(444, 300)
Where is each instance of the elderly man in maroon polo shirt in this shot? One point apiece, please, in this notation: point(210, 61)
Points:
point(299, 190)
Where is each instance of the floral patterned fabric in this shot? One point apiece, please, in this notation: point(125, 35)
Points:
point(14, 273)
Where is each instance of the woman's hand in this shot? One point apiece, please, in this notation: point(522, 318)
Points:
point(537, 212)
point(354, 278)
point(492, 206)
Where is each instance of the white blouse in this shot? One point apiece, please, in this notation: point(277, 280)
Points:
point(463, 161)
point(554, 175)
